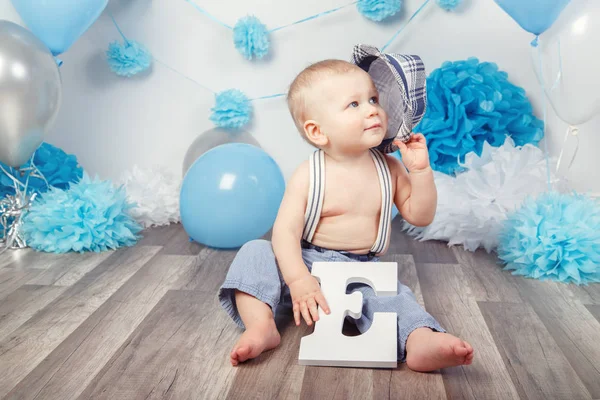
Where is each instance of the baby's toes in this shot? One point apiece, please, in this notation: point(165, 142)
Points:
point(460, 350)
point(468, 346)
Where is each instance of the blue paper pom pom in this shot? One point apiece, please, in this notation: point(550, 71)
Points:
point(555, 237)
point(378, 10)
point(251, 37)
point(232, 109)
point(90, 216)
point(448, 5)
point(59, 168)
point(469, 103)
point(128, 59)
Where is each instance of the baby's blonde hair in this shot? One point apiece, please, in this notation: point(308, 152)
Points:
point(296, 97)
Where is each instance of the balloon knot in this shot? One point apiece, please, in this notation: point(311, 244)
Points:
point(534, 42)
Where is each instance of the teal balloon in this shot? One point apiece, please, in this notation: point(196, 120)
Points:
point(231, 195)
point(535, 16)
point(59, 23)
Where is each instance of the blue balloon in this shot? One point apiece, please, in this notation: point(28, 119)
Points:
point(535, 16)
point(231, 195)
point(59, 23)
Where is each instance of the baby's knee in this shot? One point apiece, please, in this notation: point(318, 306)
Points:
point(256, 251)
point(257, 246)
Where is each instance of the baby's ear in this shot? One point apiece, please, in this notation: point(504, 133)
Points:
point(313, 133)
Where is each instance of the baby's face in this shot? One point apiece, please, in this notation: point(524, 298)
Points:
point(346, 106)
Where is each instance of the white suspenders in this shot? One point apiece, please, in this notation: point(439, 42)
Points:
point(316, 194)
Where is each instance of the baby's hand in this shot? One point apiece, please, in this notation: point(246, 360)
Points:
point(306, 294)
point(414, 153)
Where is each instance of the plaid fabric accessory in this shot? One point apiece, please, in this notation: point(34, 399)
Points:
point(401, 81)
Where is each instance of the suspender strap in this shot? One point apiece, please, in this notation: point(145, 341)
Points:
point(316, 194)
point(385, 219)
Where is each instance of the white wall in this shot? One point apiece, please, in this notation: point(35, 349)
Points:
point(110, 123)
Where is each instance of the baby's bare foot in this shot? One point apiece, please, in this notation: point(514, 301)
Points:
point(255, 340)
point(427, 350)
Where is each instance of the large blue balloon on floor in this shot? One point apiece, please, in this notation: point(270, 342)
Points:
point(230, 195)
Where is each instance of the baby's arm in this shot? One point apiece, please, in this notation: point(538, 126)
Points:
point(287, 234)
point(416, 194)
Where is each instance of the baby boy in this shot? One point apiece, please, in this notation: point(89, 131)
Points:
point(337, 207)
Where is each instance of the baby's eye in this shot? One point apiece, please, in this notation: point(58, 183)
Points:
point(374, 100)
point(353, 104)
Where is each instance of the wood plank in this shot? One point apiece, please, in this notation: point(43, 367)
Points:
point(180, 350)
point(392, 384)
point(275, 374)
point(449, 299)
point(71, 366)
point(28, 258)
point(173, 238)
point(158, 235)
point(404, 384)
point(337, 383)
point(179, 243)
point(11, 279)
point(487, 280)
point(210, 274)
point(34, 340)
point(589, 294)
point(571, 325)
point(535, 362)
point(432, 251)
point(22, 304)
point(13, 255)
point(67, 270)
point(595, 311)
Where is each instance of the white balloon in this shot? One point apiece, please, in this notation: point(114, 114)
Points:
point(566, 60)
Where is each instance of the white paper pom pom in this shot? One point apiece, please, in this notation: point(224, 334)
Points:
point(156, 194)
point(472, 206)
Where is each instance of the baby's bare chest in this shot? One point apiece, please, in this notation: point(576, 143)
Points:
point(357, 193)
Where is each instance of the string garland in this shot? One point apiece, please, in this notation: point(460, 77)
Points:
point(233, 108)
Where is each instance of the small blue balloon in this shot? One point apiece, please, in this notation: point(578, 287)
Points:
point(59, 23)
point(231, 195)
point(535, 16)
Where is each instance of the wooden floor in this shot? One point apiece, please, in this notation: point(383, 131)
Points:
point(144, 322)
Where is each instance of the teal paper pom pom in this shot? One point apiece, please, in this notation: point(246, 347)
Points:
point(90, 216)
point(470, 103)
point(129, 59)
point(554, 237)
point(448, 5)
point(232, 109)
point(58, 168)
point(378, 10)
point(251, 37)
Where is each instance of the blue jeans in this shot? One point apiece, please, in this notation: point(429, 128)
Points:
point(255, 272)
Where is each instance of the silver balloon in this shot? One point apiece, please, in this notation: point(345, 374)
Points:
point(213, 138)
point(30, 93)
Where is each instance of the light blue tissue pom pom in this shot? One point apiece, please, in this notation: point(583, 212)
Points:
point(232, 109)
point(469, 103)
point(554, 237)
point(128, 59)
point(90, 216)
point(378, 10)
point(59, 169)
point(251, 37)
point(448, 5)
